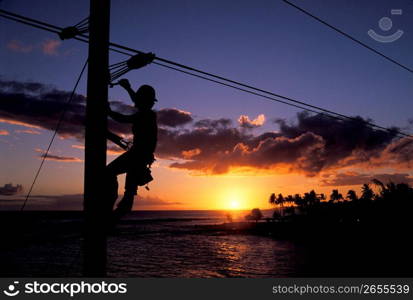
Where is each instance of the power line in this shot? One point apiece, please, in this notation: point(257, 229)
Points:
point(83, 38)
point(349, 36)
point(59, 122)
point(320, 109)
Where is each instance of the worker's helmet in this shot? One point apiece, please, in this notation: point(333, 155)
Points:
point(146, 92)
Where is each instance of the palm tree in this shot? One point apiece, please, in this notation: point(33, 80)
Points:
point(352, 196)
point(335, 196)
point(280, 201)
point(312, 198)
point(272, 199)
point(289, 199)
point(367, 193)
point(298, 200)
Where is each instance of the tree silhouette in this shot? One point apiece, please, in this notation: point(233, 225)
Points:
point(255, 215)
point(229, 217)
point(272, 199)
point(394, 192)
point(298, 200)
point(322, 197)
point(311, 198)
point(335, 196)
point(276, 215)
point(367, 193)
point(352, 196)
point(279, 200)
point(289, 199)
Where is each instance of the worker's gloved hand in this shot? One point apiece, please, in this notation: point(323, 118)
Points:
point(124, 83)
point(140, 60)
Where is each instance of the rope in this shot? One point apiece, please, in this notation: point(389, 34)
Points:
point(59, 122)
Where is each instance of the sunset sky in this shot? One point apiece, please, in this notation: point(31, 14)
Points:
point(218, 148)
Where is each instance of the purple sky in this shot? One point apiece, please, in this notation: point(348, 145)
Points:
point(267, 44)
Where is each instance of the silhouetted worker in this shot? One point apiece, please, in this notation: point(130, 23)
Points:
point(137, 160)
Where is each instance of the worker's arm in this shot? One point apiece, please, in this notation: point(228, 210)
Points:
point(126, 85)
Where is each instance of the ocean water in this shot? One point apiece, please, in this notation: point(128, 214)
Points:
point(179, 244)
point(169, 245)
point(145, 244)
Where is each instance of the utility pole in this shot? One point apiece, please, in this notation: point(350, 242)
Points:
point(95, 207)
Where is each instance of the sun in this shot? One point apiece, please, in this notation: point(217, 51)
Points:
point(233, 200)
point(234, 204)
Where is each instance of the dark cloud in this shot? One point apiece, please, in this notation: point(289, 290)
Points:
point(22, 87)
point(353, 178)
point(54, 157)
point(311, 144)
point(10, 190)
point(45, 202)
point(40, 106)
point(71, 202)
point(301, 153)
point(37, 105)
point(148, 201)
point(213, 124)
point(173, 117)
point(342, 138)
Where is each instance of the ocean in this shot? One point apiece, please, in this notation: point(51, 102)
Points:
point(180, 244)
point(145, 244)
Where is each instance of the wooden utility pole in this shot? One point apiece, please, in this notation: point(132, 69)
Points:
point(94, 246)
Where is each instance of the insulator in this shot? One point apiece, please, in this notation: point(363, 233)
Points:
point(72, 31)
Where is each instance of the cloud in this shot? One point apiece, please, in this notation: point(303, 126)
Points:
point(4, 132)
point(309, 145)
point(18, 46)
point(245, 121)
point(45, 202)
point(50, 47)
point(111, 149)
point(191, 153)
point(81, 147)
point(28, 131)
point(59, 158)
point(23, 87)
point(73, 202)
point(39, 106)
point(10, 190)
point(153, 201)
point(354, 178)
point(173, 117)
point(14, 122)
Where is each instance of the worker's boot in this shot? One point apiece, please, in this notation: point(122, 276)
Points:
point(124, 206)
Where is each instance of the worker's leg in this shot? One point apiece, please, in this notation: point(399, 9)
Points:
point(116, 167)
point(131, 186)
